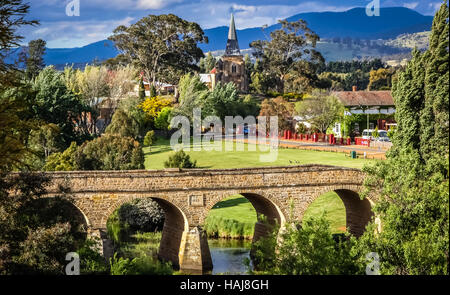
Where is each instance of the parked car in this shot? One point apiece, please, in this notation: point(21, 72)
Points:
point(367, 133)
point(382, 136)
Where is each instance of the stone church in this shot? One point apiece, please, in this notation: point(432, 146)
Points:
point(230, 67)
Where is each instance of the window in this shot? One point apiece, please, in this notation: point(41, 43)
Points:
point(233, 68)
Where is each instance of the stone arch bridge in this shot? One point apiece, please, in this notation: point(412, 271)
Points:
point(279, 193)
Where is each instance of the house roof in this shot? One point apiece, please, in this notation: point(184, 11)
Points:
point(365, 98)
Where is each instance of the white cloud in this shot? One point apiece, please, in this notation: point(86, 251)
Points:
point(132, 4)
point(211, 14)
point(412, 5)
point(76, 33)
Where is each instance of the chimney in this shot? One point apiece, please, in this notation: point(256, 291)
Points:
point(354, 88)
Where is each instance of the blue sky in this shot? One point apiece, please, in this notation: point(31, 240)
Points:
point(98, 18)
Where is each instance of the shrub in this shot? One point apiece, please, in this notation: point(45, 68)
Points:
point(110, 152)
point(217, 227)
point(91, 262)
point(180, 160)
point(139, 266)
point(308, 248)
point(142, 215)
point(149, 138)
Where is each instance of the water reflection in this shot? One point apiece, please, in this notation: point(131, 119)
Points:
point(228, 255)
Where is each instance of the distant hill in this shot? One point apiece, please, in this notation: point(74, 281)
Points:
point(354, 23)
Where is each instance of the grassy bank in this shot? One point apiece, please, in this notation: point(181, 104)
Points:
point(332, 205)
point(233, 218)
point(157, 154)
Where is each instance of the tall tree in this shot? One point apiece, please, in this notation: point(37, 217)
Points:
point(35, 58)
point(289, 45)
point(160, 42)
point(281, 108)
point(412, 185)
point(208, 63)
point(54, 103)
point(321, 110)
point(435, 115)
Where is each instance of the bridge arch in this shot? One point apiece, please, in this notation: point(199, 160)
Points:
point(358, 212)
point(175, 225)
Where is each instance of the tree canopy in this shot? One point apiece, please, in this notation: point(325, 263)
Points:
point(160, 43)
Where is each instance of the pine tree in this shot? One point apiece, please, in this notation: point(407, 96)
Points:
point(408, 93)
point(141, 90)
point(152, 91)
point(435, 115)
point(35, 59)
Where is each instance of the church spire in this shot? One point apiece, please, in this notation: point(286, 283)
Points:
point(232, 42)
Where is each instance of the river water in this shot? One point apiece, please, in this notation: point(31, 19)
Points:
point(228, 255)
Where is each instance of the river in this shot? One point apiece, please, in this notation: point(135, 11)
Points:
point(228, 255)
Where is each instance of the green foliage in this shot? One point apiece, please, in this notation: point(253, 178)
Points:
point(91, 262)
point(321, 110)
point(139, 266)
point(35, 58)
point(306, 249)
point(162, 121)
point(13, 15)
point(152, 91)
point(123, 125)
point(375, 133)
point(161, 45)
point(44, 250)
point(143, 215)
point(222, 227)
point(222, 101)
point(149, 138)
point(380, 79)
point(286, 52)
point(55, 103)
point(141, 89)
point(131, 107)
point(413, 184)
point(36, 232)
point(208, 63)
point(110, 152)
point(118, 231)
point(190, 85)
point(180, 160)
point(64, 161)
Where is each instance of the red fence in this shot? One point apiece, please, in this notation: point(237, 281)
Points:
point(315, 137)
point(362, 141)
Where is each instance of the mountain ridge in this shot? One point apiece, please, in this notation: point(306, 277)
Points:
point(393, 21)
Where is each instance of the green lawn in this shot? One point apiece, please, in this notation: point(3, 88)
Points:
point(235, 207)
point(157, 154)
point(332, 205)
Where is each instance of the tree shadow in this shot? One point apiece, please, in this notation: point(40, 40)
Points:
point(231, 203)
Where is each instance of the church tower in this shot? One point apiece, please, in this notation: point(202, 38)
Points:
point(231, 66)
point(232, 42)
